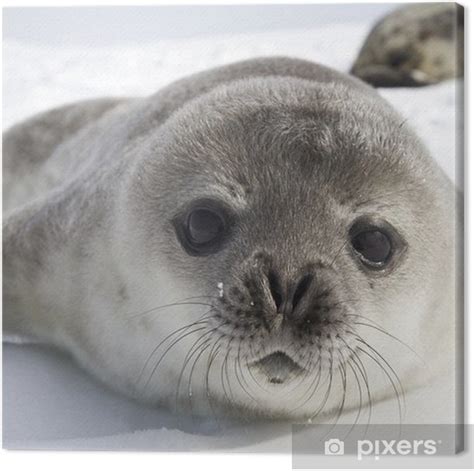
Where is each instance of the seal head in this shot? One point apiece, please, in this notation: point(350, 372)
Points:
point(281, 205)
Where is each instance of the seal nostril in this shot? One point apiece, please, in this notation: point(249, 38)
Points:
point(301, 289)
point(275, 289)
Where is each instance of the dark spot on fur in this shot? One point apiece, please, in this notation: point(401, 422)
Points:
point(233, 191)
point(234, 291)
point(424, 34)
point(319, 264)
point(122, 292)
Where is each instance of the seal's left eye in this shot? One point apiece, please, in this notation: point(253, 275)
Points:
point(204, 226)
point(202, 229)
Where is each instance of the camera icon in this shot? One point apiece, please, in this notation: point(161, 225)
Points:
point(334, 447)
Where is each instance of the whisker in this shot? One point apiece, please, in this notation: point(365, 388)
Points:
point(397, 394)
point(190, 392)
point(240, 382)
point(211, 358)
point(251, 373)
point(359, 388)
point(379, 328)
point(361, 340)
point(192, 350)
point(343, 374)
point(304, 377)
point(175, 342)
point(365, 377)
point(203, 346)
point(188, 326)
point(239, 364)
point(338, 253)
point(224, 370)
point(386, 363)
point(164, 306)
point(326, 397)
point(313, 386)
point(226, 377)
point(360, 367)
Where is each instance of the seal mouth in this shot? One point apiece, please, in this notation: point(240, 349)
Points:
point(278, 367)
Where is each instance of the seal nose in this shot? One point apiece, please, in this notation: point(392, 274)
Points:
point(288, 298)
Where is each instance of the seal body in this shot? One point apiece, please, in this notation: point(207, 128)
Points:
point(265, 237)
point(415, 45)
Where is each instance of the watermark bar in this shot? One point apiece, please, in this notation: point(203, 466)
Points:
point(382, 446)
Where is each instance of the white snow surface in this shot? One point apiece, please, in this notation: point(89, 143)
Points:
point(49, 402)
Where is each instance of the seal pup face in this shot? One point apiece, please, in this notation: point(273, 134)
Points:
point(415, 45)
point(287, 219)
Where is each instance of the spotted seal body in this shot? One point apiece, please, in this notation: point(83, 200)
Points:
point(267, 237)
point(415, 45)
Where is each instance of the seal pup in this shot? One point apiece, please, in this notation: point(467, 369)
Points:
point(413, 46)
point(267, 238)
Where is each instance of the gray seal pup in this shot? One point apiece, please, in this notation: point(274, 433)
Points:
point(415, 45)
point(267, 238)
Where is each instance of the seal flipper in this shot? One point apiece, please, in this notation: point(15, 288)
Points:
point(29, 144)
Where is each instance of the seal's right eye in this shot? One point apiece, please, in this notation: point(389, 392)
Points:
point(202, 229)
point(376, 243)
point(373, 246)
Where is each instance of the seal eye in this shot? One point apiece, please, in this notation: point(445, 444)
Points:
point(374, 247)
point(204, 226)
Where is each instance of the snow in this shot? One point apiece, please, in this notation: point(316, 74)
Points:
point(48, 402)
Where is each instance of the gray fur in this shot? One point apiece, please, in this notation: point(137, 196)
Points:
point(294, 149)
point(415, 45)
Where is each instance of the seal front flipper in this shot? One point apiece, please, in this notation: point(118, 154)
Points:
point(27, 146)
